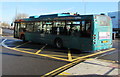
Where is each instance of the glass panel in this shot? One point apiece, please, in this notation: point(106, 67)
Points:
point(76, 22)
point(83, 25)
point(37, 27)
point(103, 20)
point(23, 25)
point(69, 22)
point(48, 29)
point(29, 27)
point(86, 28)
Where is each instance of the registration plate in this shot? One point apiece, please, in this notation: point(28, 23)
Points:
point(104, 41)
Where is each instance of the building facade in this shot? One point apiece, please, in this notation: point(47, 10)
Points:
point(115, 16)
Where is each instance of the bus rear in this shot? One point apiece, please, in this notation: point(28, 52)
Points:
point(102, 34)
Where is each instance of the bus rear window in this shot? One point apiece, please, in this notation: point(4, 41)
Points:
point(103, 20)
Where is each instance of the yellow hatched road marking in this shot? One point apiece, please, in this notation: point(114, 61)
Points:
point(69, 55)
point(40, 49)
point(25, 48)
point(61, 58)
point(61, 55)
point(58, 55)
point(39, 54)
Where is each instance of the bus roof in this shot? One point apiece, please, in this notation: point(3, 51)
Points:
point(56, 17)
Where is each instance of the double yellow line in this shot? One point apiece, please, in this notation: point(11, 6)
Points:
point(75, 61)
point(61, 69)
point(100, 52)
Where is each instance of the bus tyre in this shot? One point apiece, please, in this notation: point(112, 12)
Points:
point(58, 43)
point(23, 38)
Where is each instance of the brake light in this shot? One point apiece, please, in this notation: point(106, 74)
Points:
point(94, 37)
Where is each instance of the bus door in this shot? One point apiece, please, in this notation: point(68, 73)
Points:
point(16, 30)
point(102, 36)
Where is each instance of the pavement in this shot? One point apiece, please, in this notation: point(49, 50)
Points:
point(93, 67)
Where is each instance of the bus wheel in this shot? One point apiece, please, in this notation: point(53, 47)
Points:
point(23, 38)
point(58, 43)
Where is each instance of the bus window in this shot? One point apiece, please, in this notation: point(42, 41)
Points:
point(68, 29)
point(83, 25)
point(62, 28)
point(63, 23)
point(59, 28)
point(75, 30)
point(86, 29)
point(29, 27)
point(69, 22)
point(47, 27)
point(37, 27)
point(43, 28)
point(76, 22)
point(22, 27)
point(16, 30)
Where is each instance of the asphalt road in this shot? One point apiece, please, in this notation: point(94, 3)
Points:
point(16, 63)
point(19, 63)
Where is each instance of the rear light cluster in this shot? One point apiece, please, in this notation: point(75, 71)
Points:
point(94, 37)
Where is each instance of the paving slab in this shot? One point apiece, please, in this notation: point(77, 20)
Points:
point(92, 67)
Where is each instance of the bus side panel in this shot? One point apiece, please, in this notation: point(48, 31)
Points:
point(84, 44)
point(40, 37)
point(80, 43)
point(34, 37)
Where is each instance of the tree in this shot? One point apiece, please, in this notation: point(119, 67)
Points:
point(5, 25)
point(20, 16)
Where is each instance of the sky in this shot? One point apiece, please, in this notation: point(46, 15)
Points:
point(10, 9)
